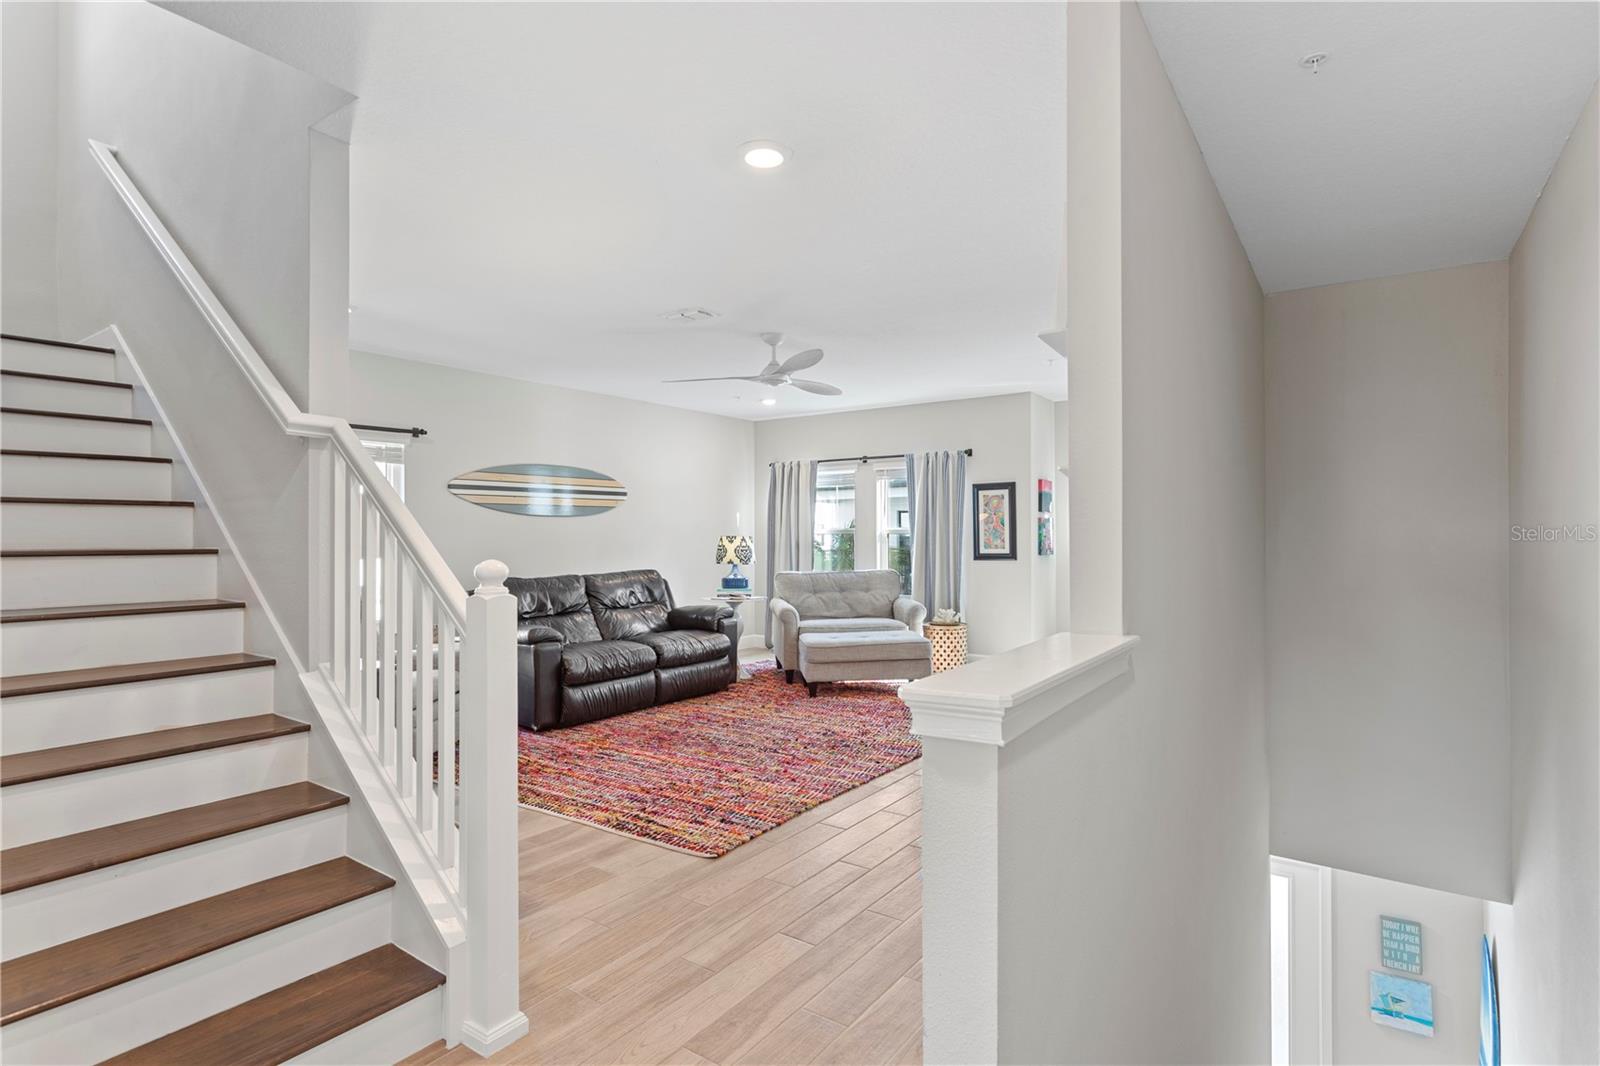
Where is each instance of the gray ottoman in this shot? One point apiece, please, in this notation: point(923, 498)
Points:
point(874, 655)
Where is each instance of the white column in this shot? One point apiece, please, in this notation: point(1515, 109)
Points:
point(970, 891)
point(489, 813)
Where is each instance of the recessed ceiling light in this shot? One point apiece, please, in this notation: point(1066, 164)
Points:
point(769, 401)
point(763, 155)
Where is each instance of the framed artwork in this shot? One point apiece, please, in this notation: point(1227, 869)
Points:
point(1400, 1002)
point(1047, 518)
point(994, 520)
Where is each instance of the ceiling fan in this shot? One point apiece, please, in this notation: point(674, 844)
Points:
point(776, 373)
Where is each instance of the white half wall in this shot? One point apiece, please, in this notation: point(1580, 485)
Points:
point(1135, 907)
point(687, 473)
point(1005, 597)
point(1386, 577)
point(1452, 934)
point(28, 169)
point(1548, 942)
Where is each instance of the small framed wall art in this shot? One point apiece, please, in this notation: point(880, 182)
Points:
point(1047, 517)
point(994, 520)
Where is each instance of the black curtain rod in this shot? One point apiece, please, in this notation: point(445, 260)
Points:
point(413, 431)
point(868, 458)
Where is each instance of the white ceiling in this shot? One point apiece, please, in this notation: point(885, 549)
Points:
point(1423, 142)
point(533, 185)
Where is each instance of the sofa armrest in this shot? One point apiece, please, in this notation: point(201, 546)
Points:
point(909, 611)
point(785, 632)
point(783, 612)
point(707, 616)
point(534, 633)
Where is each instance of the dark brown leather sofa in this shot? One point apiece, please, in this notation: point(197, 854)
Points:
point(593, 645)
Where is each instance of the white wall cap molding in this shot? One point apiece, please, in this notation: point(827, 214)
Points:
point(1000, 697)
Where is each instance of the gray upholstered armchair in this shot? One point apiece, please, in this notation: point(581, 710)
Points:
point(847, 601)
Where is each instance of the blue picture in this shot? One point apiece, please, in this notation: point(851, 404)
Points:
point(1401, 1003)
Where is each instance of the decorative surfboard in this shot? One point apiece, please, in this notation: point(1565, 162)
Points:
point(540, 489)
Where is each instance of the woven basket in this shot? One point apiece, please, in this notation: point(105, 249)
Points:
point(949, 645)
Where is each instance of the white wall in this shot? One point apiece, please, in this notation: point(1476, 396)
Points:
point(1133, 829)
point(1452, 931)
point(28, 169)
point(217, 138)
point(687, 474)
point(1386, 577)
point(1547, 941)
point(1001, 593)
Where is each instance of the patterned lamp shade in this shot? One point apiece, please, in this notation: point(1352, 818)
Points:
point(735, 548)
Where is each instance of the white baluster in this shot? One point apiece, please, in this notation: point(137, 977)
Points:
point(427, 706)
point(369, 618)
point(355, 527)
point(406, 678)
point(489, 822)
point(338, 550)
point(388, 652)
point(444, 837)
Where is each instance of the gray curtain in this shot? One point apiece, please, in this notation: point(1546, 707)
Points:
point(791, 519)
point(936, 490)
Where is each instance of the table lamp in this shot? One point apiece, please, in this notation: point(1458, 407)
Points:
point(735, 548)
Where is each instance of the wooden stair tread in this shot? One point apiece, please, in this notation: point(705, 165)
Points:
point(26, 766)
point(73, 414)
point(49, 553)
point(70, 971)
point(65, 377)
point(127, 673)
point(114, 610)
point(289, 1021)
point(27, 865)
point(57, 344)
point(79, 501)
point(104, 457)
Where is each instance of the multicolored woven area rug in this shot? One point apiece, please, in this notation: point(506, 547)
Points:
point(708, 774)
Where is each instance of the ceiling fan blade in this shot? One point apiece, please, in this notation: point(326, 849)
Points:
point(677, 381)
point(801, 361)
point(820, 388)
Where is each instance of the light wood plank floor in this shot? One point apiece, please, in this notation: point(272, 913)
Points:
point(804, 945)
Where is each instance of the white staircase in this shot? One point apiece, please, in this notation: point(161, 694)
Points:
point(173, 888)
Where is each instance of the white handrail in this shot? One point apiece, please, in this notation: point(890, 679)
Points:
point(284, 410)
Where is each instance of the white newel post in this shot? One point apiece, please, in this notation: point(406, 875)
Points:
point(980, 877)
point(489, 813)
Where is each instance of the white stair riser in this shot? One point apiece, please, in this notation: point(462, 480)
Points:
point(61, 806)
point(110, 1022)
point(75, 581)
point(40, 394)
point(80, 643)
point(93, 479)
point(78, 525)
point(49, 359)
point(45, 434)
point(386, 1039)
point(54, 719)
point(38, 917)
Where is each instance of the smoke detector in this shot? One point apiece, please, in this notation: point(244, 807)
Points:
point(690, 314)
point(1313, 61)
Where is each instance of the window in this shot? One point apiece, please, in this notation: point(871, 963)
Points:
point(1299, 899)
point(894, 521)
point(834, 540)
point(390, 457)
point(875, 535)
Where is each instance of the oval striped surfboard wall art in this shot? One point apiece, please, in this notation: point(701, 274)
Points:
point(540, 489)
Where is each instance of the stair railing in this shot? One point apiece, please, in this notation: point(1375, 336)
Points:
point(424, 674)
